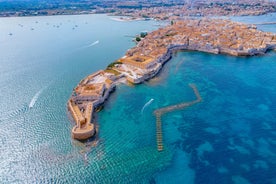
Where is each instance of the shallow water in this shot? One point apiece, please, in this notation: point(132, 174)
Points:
point(229, 137)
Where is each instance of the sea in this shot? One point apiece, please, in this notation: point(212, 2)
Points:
point(228, 137)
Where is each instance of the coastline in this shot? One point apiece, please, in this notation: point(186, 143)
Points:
point(146, 59)
point(145, 10)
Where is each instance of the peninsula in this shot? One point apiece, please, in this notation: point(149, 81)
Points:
point(145, 60)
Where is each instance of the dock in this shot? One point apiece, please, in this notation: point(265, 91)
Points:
point(159, 112)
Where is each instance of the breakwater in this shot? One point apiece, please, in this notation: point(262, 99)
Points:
point(265, 23)
point(159, 112)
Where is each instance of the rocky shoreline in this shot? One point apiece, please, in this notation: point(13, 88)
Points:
point(146, 59)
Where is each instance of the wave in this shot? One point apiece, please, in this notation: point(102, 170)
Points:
point(14, 113)
point(146, 104)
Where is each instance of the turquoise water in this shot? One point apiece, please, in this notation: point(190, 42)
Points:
point(230, 135)
point(227, 138)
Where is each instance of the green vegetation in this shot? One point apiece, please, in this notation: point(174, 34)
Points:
point(112, 71)
point(113, 64)
point(143, 34)
point(138, 39)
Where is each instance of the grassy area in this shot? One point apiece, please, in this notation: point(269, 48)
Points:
point(112, 71)
point(113, 64)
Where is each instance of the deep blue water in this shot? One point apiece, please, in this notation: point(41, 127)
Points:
point(229, 137)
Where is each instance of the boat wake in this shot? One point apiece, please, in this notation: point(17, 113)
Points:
point(35, 97)
point(90, 45)
point(146, 104)
point(94, 43)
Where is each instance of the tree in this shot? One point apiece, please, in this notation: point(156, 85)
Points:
point(143, 34)
point(138, 39)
